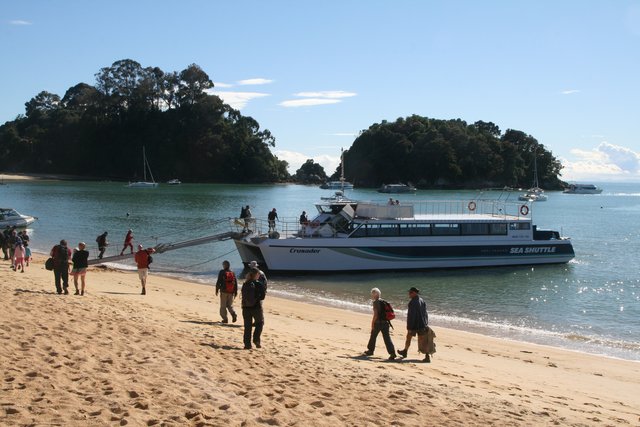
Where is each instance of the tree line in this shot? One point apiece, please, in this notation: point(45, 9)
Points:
point(433, 153)
point(99, 130)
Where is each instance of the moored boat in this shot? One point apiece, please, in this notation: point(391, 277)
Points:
point(351, 236)
point(582, 189)
point(144, 183)
point(337, 185)
point(174, 181)
point(396, 188)
point(12, 218)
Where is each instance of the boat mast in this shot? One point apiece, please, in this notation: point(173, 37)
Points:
point(144, 164)
point(342, 170)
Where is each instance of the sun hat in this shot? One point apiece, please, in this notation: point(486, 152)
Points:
point(253, 264)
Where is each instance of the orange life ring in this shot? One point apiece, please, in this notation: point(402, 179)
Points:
point(524, 210)
point(472, 206)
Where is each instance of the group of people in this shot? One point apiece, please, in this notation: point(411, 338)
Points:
point(15, 248)
point(253, 292)
point(417, 325)
point(246, 218)
point(65, 262)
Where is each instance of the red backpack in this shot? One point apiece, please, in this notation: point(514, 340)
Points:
point(229, 282)
point(387, 311)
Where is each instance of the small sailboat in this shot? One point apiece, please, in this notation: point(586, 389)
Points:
point(144, 183)
point(535, 193)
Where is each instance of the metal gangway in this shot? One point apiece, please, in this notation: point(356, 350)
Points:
point(166, 247)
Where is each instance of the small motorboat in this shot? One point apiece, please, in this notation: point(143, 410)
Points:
point(12, 218)
point(396, 188)
point(174, 181)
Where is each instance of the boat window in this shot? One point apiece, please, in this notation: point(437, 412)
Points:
point(415, 229)
point(519, 226)
point(498, 229)
point(382, 230)
point(445, 229)
point(474, 229)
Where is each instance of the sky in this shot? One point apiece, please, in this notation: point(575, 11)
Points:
point(318, 73)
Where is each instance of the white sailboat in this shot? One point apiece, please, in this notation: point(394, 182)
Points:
point(535, 193)
point(144, 183)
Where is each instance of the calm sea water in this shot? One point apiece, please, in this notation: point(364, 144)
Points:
point(591, 304)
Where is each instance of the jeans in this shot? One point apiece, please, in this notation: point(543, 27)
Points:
point(61, 274)
point(252, 315)
point(381, 326)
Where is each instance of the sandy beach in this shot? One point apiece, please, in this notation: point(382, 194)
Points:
point(114, 357)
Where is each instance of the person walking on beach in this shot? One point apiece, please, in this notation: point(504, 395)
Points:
point(262, 278)
point(379, 323)
point(79, 259)
point(253, 292)
point(18, 257)
point(417, 323)
point(143, 259)
point(4, 243)
point(27, 253)
point(271, 218)
point(102, 244)
point(13, 242)
point(227, 286)
point(61, 255)
point(128, 242)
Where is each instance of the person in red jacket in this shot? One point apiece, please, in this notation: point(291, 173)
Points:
point(143, 259)
point(128, 242)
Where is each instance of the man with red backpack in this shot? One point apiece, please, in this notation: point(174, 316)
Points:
point(380, 323)
point(227, 286)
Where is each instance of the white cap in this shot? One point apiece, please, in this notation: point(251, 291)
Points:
point(253, 264)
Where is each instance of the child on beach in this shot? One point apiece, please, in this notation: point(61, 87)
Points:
point(18, 257)
point(27, 253)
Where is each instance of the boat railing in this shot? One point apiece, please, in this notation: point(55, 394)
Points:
point(485, 207)
point(284, 228)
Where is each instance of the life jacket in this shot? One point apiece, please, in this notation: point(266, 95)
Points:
point(229, 282)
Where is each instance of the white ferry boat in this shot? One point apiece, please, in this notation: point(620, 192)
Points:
point(350, 236)
point(582, 189)
point(12, 218)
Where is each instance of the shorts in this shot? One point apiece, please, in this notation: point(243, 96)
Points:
point(78, 272)
point(420, 332)
point(143, 273)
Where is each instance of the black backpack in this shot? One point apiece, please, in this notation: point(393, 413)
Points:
point(252, 293)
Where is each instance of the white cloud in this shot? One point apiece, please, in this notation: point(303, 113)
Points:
point(237, 100)
point(20, 22)
point(570, 91)
point(604, 162)
point(221, 85)
point(332, 94)
point(350, 134)
point(257, 81)
point(308, 102)
point(296, 159)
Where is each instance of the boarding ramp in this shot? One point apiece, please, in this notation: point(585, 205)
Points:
point(166, 247)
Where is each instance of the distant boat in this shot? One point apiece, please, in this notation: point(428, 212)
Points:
point(342, 184)
point(396, 188)
point(144, 183)
point(12, 218)
point(337, 185)
point(174, 181)
point(582, 189)
point(535, 193)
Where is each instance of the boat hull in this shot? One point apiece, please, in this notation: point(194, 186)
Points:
point(335, 255)
point(142, 184)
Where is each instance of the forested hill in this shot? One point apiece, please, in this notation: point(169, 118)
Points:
point(100, 130)
point(432, 153)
